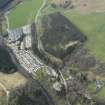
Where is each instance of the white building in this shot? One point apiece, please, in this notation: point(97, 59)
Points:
point(28, 42)
point(26, 29)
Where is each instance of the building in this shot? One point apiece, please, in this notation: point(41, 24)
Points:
point(27, 29)
point(15, 35)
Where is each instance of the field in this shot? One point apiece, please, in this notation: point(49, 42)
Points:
point(93, 26)
point(89, 16)
point(24, 13)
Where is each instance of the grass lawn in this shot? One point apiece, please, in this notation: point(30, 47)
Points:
point(93, 26)
point(24, 13)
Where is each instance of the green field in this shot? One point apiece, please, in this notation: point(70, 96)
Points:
point(24, 13)
point(93, 26)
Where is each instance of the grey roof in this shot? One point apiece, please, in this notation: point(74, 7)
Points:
point(16, 34)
